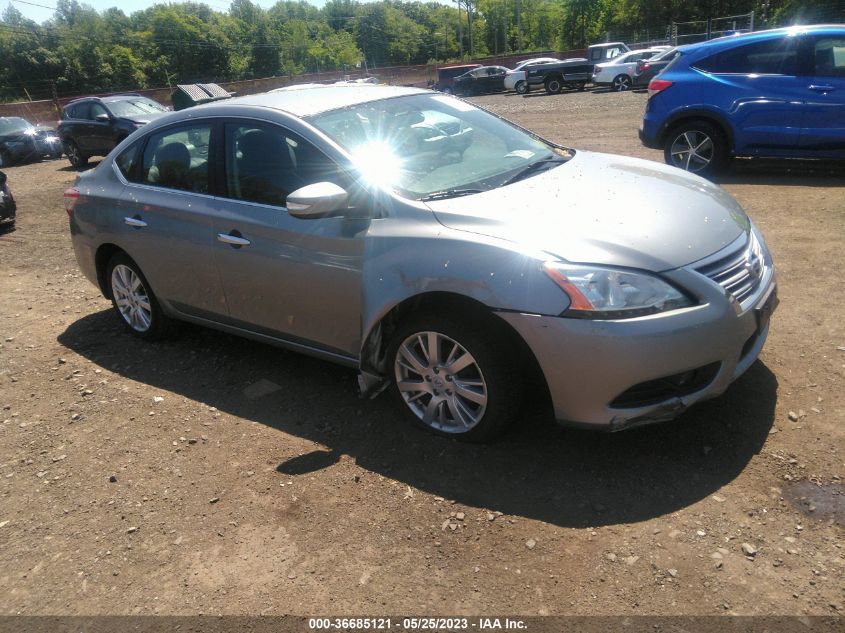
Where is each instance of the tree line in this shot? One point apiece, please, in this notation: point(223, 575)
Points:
point(81, 50)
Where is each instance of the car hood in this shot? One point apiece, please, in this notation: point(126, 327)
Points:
point(605, 209)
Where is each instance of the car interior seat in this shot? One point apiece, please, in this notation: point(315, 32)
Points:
point(172, 163)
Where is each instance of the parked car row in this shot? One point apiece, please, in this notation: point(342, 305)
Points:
point(550, 73)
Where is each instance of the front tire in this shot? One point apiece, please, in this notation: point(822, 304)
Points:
point(521, 87)
point(697, 147)
point(133, 300)
point(454, 379)
point(621, 83)
point(553, 86)
point(74, 155)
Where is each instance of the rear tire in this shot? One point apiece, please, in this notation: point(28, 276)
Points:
point(455, 379)
point(133, 300)
point(621, 83)
point(521, 87)
point(553, 85)
point(698, 147)
point(74, 155)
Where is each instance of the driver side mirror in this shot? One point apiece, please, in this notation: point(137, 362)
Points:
point(102, 118)
point(317, 200)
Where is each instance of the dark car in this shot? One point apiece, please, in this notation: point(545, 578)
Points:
point(446, 76)
point(647, 69)
point(93, 126)
point(21, 140)
point(7, 203)
point(777, 93)
point(480, 80)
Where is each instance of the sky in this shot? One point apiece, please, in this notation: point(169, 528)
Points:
point(41, 10)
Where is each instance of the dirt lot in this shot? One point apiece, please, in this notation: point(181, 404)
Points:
point(139, 478)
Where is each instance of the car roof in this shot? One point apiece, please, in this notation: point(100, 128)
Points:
point(106, 99)
point(309, 100)
point(459, 66)
point(729, 41)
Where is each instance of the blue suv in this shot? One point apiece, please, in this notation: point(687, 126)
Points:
point(771, 93)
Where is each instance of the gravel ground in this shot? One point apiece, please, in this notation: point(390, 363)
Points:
point(208, 474)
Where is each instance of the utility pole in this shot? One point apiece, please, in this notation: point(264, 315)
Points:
point(519, 25)
point(460, 31)
point(469, 24)
point(55, 96)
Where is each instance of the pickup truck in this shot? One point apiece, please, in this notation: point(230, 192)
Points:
point(576, 72)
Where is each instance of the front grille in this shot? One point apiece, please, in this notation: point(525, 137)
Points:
point(660, 389)
point(740, 272)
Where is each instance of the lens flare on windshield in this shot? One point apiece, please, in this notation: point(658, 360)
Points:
point(378, 162)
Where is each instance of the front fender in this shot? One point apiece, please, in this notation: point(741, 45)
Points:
point(493, 272)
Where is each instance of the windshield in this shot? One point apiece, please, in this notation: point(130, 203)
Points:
point(134, 107)
point(422, 146)
point(13, 124)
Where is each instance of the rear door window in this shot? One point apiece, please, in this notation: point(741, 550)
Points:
point(80, 110)
point(772, 57)
point(829, 57)
point(177, 158)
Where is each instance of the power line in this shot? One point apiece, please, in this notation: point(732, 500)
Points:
point(34, 4)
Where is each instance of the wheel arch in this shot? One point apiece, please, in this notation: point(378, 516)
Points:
point(377, 340)
point(687, 116)
point(101, 261)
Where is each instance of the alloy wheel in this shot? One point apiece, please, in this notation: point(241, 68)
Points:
point(622, 82)
point(131, 298)
point(73, 154)
point(441, 382)
point(692, 150)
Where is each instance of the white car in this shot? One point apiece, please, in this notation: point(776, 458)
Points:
point(618, 73)
point(516, 79)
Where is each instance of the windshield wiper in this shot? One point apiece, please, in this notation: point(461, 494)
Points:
point(450, 193)
point(526, 171)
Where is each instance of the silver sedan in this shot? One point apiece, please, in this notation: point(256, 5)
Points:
point(435, 248)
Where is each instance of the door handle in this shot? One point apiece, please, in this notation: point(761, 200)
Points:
point(138, 223)
point(234, 240)
point(822, 87)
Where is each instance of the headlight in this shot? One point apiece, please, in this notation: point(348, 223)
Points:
point(606, 293)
